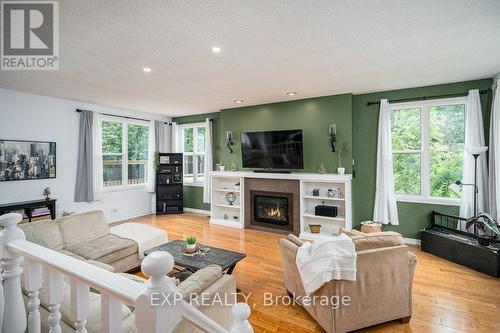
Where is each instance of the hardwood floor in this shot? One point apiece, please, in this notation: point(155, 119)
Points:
point(446, 297)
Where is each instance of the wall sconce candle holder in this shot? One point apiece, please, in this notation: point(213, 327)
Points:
point(229, 138)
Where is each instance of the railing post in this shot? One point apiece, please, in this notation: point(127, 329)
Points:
point(33, 283)
point(241, 312)
point(158, 308)
point(14, 313)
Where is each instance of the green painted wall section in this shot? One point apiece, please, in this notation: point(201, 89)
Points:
point(311, 115)
point(412, 216)
point(193, 195)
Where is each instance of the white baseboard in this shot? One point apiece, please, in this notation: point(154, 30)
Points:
point(199, 211)
point(412, 241)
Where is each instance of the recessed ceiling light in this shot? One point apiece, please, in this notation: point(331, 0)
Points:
point(146, 69)
point(215, 49)
point(238, 101)
point(291, 93)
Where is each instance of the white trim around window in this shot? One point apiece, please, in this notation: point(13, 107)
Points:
point(424, 151)
point(196, 153)
point(124, 154)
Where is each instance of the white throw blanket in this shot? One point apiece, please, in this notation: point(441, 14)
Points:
point(145, 236)
point(322, 261)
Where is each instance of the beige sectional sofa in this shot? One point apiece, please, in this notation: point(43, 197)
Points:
point(86, 237)
point(382, 291)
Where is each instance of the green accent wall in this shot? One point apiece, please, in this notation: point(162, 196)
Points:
point(312, 115)
point(412, 216)
point(357, 125)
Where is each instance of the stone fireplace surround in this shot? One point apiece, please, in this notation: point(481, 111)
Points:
point(270, 186)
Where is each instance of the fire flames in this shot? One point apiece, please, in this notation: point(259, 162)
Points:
point(274, 213)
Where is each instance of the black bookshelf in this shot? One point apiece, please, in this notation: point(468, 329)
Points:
point(169, 184)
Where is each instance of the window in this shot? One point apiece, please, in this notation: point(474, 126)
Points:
point(193, 148)
point(124, 152)
point(428, 142)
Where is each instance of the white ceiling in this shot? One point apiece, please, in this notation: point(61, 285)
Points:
point(269, 47)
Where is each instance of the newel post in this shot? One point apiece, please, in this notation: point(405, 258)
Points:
point(159, 307)
point(241, 312)
point(14, 313)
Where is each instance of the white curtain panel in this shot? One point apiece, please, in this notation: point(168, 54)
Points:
point(175, 138)
point(494, 154)
point(474, 137)
point(97, 156)
point(151, 175)
point(385, 209)
point(160, 139)
point(207, 182)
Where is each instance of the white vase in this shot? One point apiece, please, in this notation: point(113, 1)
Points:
point(191, 246)
point(222, 168)
point(341, 171)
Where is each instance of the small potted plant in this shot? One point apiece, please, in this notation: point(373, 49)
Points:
point(191, 242)
point(341, 153)
point(235, 217)
point(237, 186)
point(482, 222)
point(46, 193)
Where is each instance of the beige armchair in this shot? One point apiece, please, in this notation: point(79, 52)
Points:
point(382, 291)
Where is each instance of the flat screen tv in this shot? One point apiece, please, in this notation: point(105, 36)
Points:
point(272, 149)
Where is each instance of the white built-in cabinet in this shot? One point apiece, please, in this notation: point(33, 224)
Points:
point(224, 182)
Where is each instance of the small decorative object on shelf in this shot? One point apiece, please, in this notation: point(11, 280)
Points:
point(236, 218)
point(233, 167)
point(46, 193)
point(322, 169)
point(330, 193)
point(342, 152)
point(315, 228)
point(370, 226)
point(164, 159)
point(315, 192)
point(237, 186)
point(225, 217)
point(230, 198)
point(327, 211)
point(191, 242)
point(222, 167)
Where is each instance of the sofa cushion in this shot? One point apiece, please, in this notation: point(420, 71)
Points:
point(72, 255)
point(106, 249)
point(45, 233)
point(199, 281)
point(81, 228)
point(351, 232)
point(377, 240)
point(295, 240)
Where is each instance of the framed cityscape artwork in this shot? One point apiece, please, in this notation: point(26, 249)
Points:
point(24, 160)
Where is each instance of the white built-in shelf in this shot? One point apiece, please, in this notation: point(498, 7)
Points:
point(328, 218)
point(227, 206)
point(227, 223)
point(226, 190)
point(321, 198)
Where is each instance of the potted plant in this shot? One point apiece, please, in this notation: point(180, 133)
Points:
point(235, 217)
point(341, 153)
point(483, 222)
point(191, 242)
point(237, 186)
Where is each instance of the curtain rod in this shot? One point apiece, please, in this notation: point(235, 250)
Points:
point(114, 115)
point(170, 124)
point(423, 98)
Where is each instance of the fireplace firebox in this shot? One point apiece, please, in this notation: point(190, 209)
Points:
point(271, 209)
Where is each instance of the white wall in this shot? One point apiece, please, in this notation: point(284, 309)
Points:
point(33, 117)
point(497, 77)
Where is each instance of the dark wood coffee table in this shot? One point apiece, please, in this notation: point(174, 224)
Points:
point(226, 259)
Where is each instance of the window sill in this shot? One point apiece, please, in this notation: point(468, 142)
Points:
point(430, 201)
point(124, 188)
point(194, 184)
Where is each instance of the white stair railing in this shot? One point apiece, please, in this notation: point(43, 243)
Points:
point(115, 291)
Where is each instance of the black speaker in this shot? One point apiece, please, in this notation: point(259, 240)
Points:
point(330, 211)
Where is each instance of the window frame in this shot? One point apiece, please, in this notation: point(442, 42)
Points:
point(425, 176)
point(194, 153)
point(125, 122)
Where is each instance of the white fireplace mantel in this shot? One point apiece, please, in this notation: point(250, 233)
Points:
point(224, 182)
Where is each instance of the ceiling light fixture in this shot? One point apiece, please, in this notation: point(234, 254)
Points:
point(238, 101)
point(291, 93)
point(146, 69)
point(215, 49)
